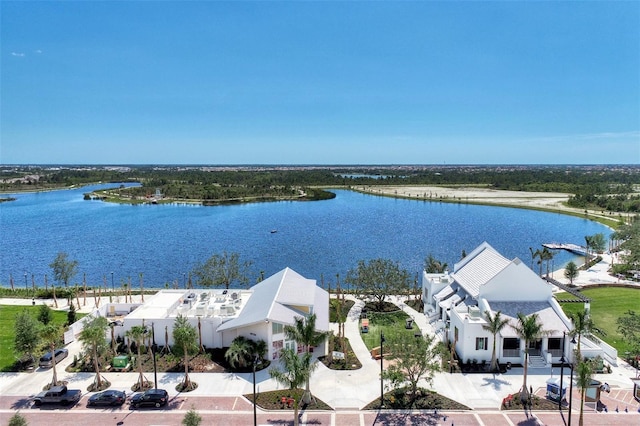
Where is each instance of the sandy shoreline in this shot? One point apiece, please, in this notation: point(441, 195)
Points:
point(548, 201)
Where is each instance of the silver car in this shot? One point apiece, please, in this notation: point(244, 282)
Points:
point(46, 360)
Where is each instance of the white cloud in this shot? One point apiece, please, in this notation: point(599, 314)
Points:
point(38, 51)
point(18, 54)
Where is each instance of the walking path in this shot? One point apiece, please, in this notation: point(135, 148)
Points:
point(348, 391)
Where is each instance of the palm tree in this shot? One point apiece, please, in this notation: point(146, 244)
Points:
point(243, 351)
point(93, 340)
point(528, 329)
point(304, 333)
point(433, 265)
point(137, 333)
point(296, 371)
point(494, 326)
point(582, 325)
point(51, 333)
point(184, 336)
point(584, 374)
point(588, 241)
point(238, 352)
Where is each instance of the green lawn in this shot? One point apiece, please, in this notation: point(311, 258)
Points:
point(607, 305)
point(7, 325)
point(390, 323)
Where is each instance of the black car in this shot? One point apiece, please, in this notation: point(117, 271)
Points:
point(46, 359)
point(108, 397)
point(150, 398)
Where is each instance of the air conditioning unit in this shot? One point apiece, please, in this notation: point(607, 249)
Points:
point(474, 312)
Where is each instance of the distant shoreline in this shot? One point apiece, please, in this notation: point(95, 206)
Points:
point(552, 202)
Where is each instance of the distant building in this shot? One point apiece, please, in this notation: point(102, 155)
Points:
point(258, 313)
point(486, 281)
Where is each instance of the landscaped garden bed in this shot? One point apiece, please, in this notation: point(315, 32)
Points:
point(283, 400)
point(400, 399)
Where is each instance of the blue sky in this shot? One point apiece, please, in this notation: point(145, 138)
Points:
point(320, 82)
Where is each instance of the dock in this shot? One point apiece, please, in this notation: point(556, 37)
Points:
point(573, 248)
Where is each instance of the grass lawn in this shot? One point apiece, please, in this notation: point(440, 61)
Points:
point(390, 323)
point(607, 305)
point(7, 326)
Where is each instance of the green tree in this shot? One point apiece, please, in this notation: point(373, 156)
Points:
point(26, 334)
point(304, 333)
point(94, 341)
point(64, 269)
point(377, 279)
point(494, 325)
point(546, 256)
point(433, 265)
point(185, 339)
point(528, 329)
point(222, 270)
point(242, 352)
point(582, 325)
point(45, 314)
point(192, 418)
point(71, 314)
point(50, 333)
point(584, 376)
point(295, 372)
point(629, 327)
point(18, 420)
point(629, 234)
point(412, 359)
point(137, 333)
point(571, 272)
point(598, 243)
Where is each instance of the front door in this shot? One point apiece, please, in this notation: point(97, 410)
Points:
point(535, 347)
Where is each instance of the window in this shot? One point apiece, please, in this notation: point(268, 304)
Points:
point(482, 343)
point(455, 334)
point(277, 328)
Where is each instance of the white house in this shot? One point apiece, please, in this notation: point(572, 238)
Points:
point(259, 313)
point(486, 281)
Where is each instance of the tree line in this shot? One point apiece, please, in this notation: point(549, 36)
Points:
point(611, 188)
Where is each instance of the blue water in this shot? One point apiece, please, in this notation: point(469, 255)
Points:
point(165, 242)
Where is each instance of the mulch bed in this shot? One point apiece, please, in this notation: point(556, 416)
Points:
point(400, 399)
point(283, 400)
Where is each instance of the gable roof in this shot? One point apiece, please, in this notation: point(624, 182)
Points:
point(274, 299)
point(477, 268)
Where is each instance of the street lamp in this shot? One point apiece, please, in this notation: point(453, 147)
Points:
point(153, 354)
point(573, 341)
point(255, 413)
point(26, 286)
point(562, 360)
point(113, 289)
point(381, 370)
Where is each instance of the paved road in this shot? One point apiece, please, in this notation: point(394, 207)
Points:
point(236, 411)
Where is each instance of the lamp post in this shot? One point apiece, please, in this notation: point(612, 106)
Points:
point(564, 336)
point(113, 289)
point(381, 370)
point(255, 413)
point(573, 341)
point(153, 354)
point(570, 392)
point(26, 286)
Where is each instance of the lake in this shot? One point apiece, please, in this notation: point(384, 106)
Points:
point(315, 238)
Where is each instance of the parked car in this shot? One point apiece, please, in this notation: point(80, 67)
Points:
point(57, 395)
point(150, 398)
point(108, 397)
point(46, 360)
